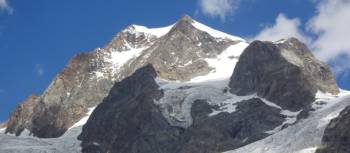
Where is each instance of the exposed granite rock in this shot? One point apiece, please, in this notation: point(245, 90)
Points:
point(128, 121)
point(285, 73)
point(336, 138)
point(21, 117)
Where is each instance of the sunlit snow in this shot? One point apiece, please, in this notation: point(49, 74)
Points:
point(215, 33)
point(2, 130)
point(158, 32)
point(223, 64)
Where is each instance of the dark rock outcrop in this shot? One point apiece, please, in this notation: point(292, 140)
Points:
point(285, 73)
point(128, 121)
point(227, 131)
point(336, 138)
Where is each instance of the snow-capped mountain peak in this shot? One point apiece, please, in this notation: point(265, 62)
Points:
point(196, 88)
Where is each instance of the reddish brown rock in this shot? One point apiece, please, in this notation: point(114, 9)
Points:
point(20, 119)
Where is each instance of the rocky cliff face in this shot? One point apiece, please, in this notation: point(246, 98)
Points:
point(284, 72)
point(336, 138)
point(83, 83)
point(20, 118)
point(127, 120)
point(64, 102)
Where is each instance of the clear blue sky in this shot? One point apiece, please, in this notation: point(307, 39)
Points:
point(38, 37)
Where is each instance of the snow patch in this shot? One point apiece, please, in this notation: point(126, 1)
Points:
point(176, 103)
point(158, 32)
point(119, 58)
point(186, 64)
point(308, 150)
point(324, 100)
point(229, 105)
point(84, 119)
point(215, 33)
point(2, 130)
point(223, 64)
point(26, 133)
point(291, 118)
point(281, 41)
point(99, 74)
point(269, 103)
point(291, 57)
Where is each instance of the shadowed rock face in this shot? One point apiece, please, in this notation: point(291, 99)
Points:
point(336, 138)
point(128, 121)
point(227, 131)
point(285, 73)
